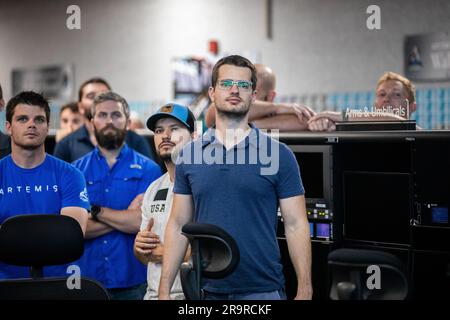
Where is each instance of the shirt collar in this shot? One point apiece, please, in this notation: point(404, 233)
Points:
point(123, 152)
point(252, 138)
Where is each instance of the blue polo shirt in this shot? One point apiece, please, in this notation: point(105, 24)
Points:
point(239, 190)
point(45, 189)
point(109, 258)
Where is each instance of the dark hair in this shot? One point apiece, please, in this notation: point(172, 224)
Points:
point(73, 106)
point(1, 92)
point(92, 80)
point(27, 97)
point(237, 61)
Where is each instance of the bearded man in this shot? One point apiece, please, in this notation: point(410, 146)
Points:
point(116, 178)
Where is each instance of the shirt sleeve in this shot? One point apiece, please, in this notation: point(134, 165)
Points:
point(181, 185)
point(73, 189)
point(289, 178)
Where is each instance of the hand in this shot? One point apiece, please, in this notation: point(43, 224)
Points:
point(324, 121)
point(137, 202)
point(321, 124)
point(157, 254)
point(303, 113)
point(146, 241)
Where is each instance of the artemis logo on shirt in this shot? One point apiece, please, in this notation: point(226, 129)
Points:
point(29, 189)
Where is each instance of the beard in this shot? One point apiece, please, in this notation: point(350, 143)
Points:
point(111, 140)
point(233, 114)
point(88, 114)
point(166, 156)
point(171, 155)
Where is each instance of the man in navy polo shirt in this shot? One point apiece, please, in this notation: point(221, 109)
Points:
point(116, 176)
point(235, 177)
point(33, 182)
point(80, 142)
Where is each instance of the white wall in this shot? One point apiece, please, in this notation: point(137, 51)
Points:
point(318, 45)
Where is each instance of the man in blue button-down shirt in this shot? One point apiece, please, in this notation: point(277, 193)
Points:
point(117, 177)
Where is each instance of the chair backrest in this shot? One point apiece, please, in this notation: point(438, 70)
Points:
point(214, 254)
point(366, 275)
point(39, 240)
point(51, 289)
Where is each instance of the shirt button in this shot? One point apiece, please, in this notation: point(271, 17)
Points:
point(106, 258)
point(105, 242)
point(106, 190)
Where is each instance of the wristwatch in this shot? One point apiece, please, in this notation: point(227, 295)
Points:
point(95, 211)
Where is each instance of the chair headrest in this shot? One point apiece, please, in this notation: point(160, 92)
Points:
point(364, 258)
point(219, 251)
point(40, 240)
point(349, 274)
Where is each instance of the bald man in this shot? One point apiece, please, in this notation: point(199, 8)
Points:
point(266, 114)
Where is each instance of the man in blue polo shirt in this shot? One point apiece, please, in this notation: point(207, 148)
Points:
point(116, 176)
point(33, 182)
point(82, 141)
point(235, 177)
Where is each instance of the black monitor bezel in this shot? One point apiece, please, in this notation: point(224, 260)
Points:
point(327, 170)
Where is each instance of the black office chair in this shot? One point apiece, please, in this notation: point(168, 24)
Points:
point(40, 240)
point(350, 273)
point(214, 254)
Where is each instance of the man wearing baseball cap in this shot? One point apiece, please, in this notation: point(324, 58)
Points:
point(173, 127)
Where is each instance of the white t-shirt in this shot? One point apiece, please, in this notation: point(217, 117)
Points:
point(157, 204)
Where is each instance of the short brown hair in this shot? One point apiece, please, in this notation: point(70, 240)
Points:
point(111, 96)
point(237, 61)
point(73, 106)
point(92, 80)
point(410, 88)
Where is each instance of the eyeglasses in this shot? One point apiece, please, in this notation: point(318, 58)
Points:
point(241, 84)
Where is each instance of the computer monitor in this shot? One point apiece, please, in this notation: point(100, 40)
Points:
point(377, 206)
point(315, 164)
